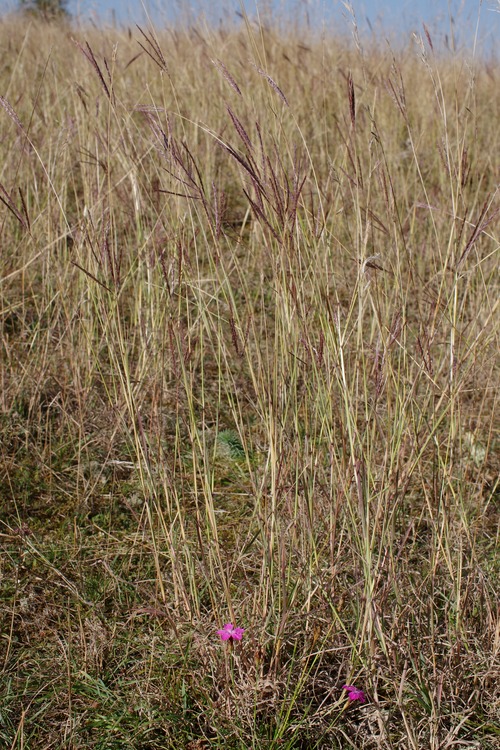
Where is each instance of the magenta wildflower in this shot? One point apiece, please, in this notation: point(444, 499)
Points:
point(354, 693)
point(230, 633)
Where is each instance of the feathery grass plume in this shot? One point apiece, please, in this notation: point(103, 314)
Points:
point(153, 49)
point(480, 225)
point(227, 75)
point(8, 201)
point(240, 130)
point(272, 83)
point(88, 53)
point(12, 114)
point(27, 146)
point(428, 37)
point(352, 99)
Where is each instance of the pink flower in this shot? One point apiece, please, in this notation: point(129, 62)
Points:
point(354, 693)
point(229, 632)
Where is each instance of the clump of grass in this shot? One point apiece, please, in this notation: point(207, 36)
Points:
point(229, 444)
point(299, 240)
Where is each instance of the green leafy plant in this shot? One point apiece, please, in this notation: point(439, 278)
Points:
point(229, 444)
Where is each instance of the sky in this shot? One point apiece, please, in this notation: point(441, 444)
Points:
point(393, 18)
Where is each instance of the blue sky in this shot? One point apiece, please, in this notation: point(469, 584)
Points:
point(392, 17)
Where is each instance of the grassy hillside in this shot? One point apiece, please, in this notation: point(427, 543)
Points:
point(250, 330)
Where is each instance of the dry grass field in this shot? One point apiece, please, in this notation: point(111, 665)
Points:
point(250, 328)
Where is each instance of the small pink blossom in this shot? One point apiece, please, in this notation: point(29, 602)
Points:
point(229, 633)
point(354, 693)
